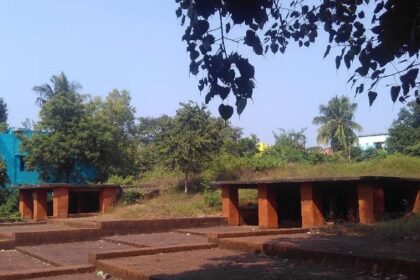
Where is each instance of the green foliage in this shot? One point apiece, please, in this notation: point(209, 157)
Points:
point(131, 196)
point(108, 135)
point(3, 111)
point(336, 124)
point(213, 198)
point(119, 180)
point(75, 130)
point(358, 154)
point(404, 134)
point(366, 38)
point(190, 138)
point(3, 173)
point(9, 201)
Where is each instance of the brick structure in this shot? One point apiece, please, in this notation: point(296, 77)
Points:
point(40, 205)
point(26, 204)
point(33, 200)
point(230, 205)
point(363, 199)
point(61, 203)
point(267, 207)
point(311, 205)
point(106, 198)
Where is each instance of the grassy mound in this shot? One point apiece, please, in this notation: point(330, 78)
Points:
point(393, 165)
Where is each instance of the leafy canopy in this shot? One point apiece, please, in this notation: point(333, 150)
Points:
point(189, 139)
point(75, 131)
point(369, 36)
point(404, 134)
point(337, 125)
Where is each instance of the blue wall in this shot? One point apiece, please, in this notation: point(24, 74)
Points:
point(14, 158)
point(17, 171)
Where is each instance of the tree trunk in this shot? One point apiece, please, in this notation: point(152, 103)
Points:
point(186, 182)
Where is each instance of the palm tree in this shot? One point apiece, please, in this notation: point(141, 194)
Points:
point(337, 127)
point(60, 84)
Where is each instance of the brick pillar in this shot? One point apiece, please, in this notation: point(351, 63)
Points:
point(311, 206)
point(267, 207)
point(416, 204)
point(61, 202)
point(107, 197)
point(378, 202)
point(230, 207)
point(25, 204)
point(365, 197)
point(40, 204)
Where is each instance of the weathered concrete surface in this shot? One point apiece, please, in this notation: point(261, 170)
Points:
point(70, 253)
point(165, 239)
point(216, 264)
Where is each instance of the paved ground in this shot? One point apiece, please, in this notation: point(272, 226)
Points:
point(11, 261)
point(402, 249)
point(222, 229)
point(71, 253)
point(83, 276)
point(159, 239)
point(223, 264)
point(33, 228)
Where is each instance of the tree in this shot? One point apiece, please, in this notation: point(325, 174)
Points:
point(189, 140)
point(107, 135)
point(336, 124)
point(289, 146)
point(75, 131)
point(368, 36)
point(59, 84)
point(3, 111)
point(404, 134)
point(54, 149)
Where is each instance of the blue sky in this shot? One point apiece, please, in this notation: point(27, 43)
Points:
point(136, 45)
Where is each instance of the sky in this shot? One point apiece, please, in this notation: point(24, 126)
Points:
point(136, 45)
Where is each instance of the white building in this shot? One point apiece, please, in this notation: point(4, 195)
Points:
point(372, 141)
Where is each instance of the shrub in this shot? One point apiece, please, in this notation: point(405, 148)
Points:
point(129, 197)
point(213, 198)
point(115, 179)
point(9, 201)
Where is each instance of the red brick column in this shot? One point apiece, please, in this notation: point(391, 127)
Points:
point(61, 202)
point(365, 197)
point(107, 197)
point(230, 207)
point(267, 207)
point(40, 205)
point(416, 205)
point(25, 204)
point(378, 202)
point(311, 206)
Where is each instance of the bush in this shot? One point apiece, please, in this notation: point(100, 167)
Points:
point(9, 201)
point(213, 198)
point(129, 197)
point(118, 180)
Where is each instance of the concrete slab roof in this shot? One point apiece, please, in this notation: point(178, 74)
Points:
point(69, 186)
point(378, 179)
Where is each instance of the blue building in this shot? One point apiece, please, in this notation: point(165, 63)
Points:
point(15, 159)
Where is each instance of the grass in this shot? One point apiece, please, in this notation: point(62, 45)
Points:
point(169, 204)
point(407, 228)
point(393, 165)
